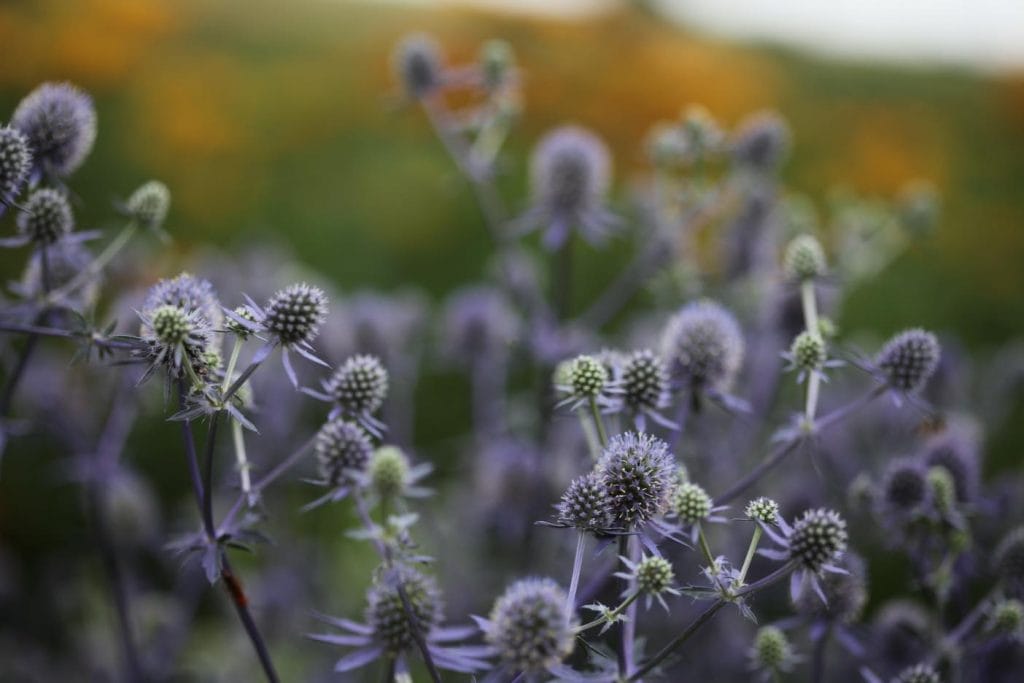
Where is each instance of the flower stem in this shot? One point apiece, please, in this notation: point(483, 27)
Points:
point(598, 422)
point(810, 306)
point(706, 549)
point(593, 445)
point(610, 615)
point(97, 264)
point(755, 539)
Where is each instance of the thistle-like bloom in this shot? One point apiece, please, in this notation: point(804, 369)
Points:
point(570, 174)
point(653, 576)
point(187, 292)
point(530, 627)
point(359, 388)
point(59, 121)
point(690, 503)
point(902, 634)
point(479, 323)
point(771, 653)
point(175, 338)
point(908, 360)
point(804, 259)
point(342, 452)
point(638, 472)
point(587, 377)
point(1009, 561)
point(919, 673)
point(763, 510)
point(644, 384)
point(904, 489)
point(15, 163)
point(761, 143)
point(1006, 618)
point(148, 205)
point(815, 542)
point(390, 628)
point(585, 504)
point(390, 474)
point(809, 354)
point(703, 346)
point(47, 217)
point(956, 451)
point(294, 314)
point(419, 66)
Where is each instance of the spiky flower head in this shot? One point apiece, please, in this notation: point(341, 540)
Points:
point(653, 575)
point(761, 142)
point(903, 633)
point(188, 292)
point(690, 503)
point(389, 471)
point(60, 123)
point(909, 359)
point(763, 510)
point(531, 625)
point(644, 380)
point(47, 216)
point(818, 538)
point(919, 673)
point(1009, 560)
point(295, 313)
point(149, 204)
point(638, 472)
point(772, 650)
point(570, 173)
point(419, 65)
point(1006, 617)
point(808, 351)
point(587, 377)
point(804, 259)
point(386, 613)
point(15, 162)
point(703, 345)
point(496, 62)
point(238, 329)
point(478, 322)
point(359, 385)
point(342, 450)
point(585, 504)
point(170, 324)
point(905, 487)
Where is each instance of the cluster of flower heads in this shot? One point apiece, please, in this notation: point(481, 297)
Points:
point(642, 415)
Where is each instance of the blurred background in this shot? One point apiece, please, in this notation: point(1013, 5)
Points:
point(280, 123)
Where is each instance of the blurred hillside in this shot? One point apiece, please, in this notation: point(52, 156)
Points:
point(273, 119)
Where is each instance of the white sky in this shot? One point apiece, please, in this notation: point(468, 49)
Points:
point(983, 33)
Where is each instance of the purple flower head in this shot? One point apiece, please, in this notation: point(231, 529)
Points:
point(478, 323)
point(703, 346)
point(530, 626)
point(904, 491)
point(908, 360)
point(638, 473)
point(47, 217)
point(570, 176)
point(190, 293)
point(761, 143)
point(60, 123)
point(15, 162)
point(418, 63)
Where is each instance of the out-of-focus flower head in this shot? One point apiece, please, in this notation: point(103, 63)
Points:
point(59, 121)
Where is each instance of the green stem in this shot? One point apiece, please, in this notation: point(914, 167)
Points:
point(229, 374)
point(750, 555)
point(810, 305)
point(811, 407)
point(98, 264)
point(706, 549)
point(588, 432)
point(242, 462)
point(614, 614)
point(598, 423)
point(577, 566)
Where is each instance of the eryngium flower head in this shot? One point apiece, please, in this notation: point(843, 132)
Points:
point(174, 337)
point(585, 504)
point(15, 162)
point(1009, 561)
point(644, 381)
point(902, 633)
point(237, 328)
point(389, 471)
point(956, 451)
point(919, 673)
point(587, 377)
point(638, 472)
point(295, 313)
point(478, 322)
point(418, 64)
point(60, 123)
point(703, 345)
point(342, 451)
point(360, 385)
point(909, 359)
point(1006, 617)
point(818, 538)
point(690, 503)
point(149, 204)
point(771, 650)
point(570, 172)
point(386, 613)
point(804, 259)
point(808, 351)
point(653, 575)
point(905, 487)
point(531, 626)
point(762, 142)
point(170, 324)
point(763, 510)
point(47, 216)
point(188, 292)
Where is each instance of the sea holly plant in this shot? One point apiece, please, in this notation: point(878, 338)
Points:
point(591, 525)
